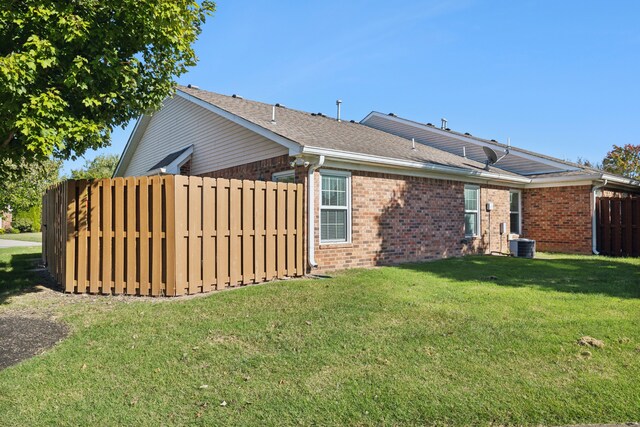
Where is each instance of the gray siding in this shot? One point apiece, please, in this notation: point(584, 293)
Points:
point(218, 143)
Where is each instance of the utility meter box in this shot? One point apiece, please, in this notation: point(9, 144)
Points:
point(489, 206)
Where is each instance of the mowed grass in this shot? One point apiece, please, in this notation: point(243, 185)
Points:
point(470, 341)
point(25, 237)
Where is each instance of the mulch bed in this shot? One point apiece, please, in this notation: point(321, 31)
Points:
point(24, 337)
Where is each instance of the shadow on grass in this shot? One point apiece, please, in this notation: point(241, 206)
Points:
point(586, 275)
point(20, 274)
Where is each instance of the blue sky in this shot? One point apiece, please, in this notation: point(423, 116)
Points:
point(558, 77)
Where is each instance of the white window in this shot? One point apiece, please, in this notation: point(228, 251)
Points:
point(471, 210)
point(286, 176)
point(335, 207)
point(515, 207)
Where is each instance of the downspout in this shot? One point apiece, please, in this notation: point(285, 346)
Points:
point(311, 212)
point(594, 225)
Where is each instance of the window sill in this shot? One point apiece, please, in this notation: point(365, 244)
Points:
point(335, 245)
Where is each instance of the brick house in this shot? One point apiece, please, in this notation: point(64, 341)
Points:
point(381, 191)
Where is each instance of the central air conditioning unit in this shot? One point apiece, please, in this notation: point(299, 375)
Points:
point(522, 248)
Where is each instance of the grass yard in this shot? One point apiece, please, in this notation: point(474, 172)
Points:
point(471, 341)
point(25, 237)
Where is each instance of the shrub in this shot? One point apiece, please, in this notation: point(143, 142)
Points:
point(1, 231)
point(28, 221)
point(13, 231)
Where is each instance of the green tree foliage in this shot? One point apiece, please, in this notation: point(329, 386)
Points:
point(73, 70)
point(623, 161)
point(102, 166)
point(586, 162)
point(25, 183)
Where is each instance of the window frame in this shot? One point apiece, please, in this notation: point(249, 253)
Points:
point(519, 193)
point(477, 211)
point(277, 176)
point(347, 208)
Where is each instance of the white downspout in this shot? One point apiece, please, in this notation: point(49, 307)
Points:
point(311, 212)
point(594, 225)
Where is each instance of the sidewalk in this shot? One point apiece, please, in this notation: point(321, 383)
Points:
point(13, 243)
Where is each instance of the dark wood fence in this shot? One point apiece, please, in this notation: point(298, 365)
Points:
point(171, 235)
point(618, 226)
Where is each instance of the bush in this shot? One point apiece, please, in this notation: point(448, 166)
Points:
point(29, 221)
point(2, 231)
point(13, 231)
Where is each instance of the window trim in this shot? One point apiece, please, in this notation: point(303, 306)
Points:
point(477, 211)
point(519, 193)
point(337, 173)
point(276, 176)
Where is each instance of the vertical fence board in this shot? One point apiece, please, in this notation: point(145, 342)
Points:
point(271, 236)
point(170, 255)
point(208, 233)
point(181, 221)
point(248, 232)
point(290, 213)
point(143, 240)
point(281, 227)
point(94, 236)
point(82, 259)
point(299, 230)
point(107, 237)
point(259, 227)
point(156, 235)
point(235, 242)
point(118, 206)
point(222, 230)
point(194, 234)
point(131, 262)
point(70, 252)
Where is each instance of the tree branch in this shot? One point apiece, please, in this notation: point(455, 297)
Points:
point(9, 138)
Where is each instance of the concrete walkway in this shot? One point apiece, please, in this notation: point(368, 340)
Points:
point(13, 243)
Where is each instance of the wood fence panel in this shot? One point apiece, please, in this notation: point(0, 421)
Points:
point(618, 224)
point(171, 235)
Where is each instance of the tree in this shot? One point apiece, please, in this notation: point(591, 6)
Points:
point(23, 187)
point(102, 166)
point(623, 161)
point(73, 70)
point(586, 162)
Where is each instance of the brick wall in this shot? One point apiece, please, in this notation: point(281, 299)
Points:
point(558, 218)
point(260, 170)
point(399, 219)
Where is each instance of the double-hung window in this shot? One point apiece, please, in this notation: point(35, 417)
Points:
point(335, 207)
point(514, 211)
point(471, 210)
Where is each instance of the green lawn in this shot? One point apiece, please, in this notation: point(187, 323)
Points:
point(27, 237)
point(471, 341)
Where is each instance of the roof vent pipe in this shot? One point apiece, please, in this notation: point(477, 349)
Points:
point(464, 152)
point(338, 104)
point(273, 115)
point(413, 143)
point(443, 126)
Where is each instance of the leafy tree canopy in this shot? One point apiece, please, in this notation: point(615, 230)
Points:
point(102, 166)
point(73, 70)
point(25, 183)
point(623, 161)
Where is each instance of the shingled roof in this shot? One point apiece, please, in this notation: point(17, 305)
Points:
point(319, 131)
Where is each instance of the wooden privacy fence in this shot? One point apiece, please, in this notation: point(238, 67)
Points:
point(171, 235)
point(618, 226)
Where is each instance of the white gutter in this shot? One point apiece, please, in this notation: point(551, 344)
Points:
point(449, 170)
point(594, 226)
point(311, 212)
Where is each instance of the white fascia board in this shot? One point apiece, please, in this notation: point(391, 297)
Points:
point(158, 171)
point(567, 183)
point(294, 147)
point(470, 140)
point(384, 169)
point(338, 155)
point(621, 180)
point(132, 144)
